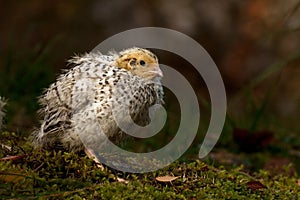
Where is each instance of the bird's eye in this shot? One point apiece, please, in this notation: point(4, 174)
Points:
point(142, 63)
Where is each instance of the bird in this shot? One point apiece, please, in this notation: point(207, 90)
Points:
point(82, 99)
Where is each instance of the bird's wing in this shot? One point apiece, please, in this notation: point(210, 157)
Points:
point(69, 94)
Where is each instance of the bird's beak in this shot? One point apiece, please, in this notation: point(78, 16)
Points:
point(155, 70)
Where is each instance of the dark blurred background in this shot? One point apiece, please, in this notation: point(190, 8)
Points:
point(255, 44)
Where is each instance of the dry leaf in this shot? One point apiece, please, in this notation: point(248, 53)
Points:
point(298, 182)
point(166, 178)
point(255, 185)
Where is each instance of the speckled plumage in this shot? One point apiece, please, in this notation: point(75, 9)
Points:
point(83, 97)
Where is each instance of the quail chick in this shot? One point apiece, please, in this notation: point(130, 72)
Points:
point(84, 95)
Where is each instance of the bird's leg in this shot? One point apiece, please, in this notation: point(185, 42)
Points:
point(90, 153)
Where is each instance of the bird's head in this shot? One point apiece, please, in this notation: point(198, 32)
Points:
point(140, 62)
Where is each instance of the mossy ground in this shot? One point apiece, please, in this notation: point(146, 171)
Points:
point(40, 174)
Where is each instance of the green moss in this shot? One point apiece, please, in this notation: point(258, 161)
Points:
point(62, 175)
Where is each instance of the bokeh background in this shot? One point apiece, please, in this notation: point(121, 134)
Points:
point(255, 44)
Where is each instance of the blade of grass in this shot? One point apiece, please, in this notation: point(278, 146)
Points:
point(263, 105)
point(273, 69)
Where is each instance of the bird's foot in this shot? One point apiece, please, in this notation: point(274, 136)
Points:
point(90, 153)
